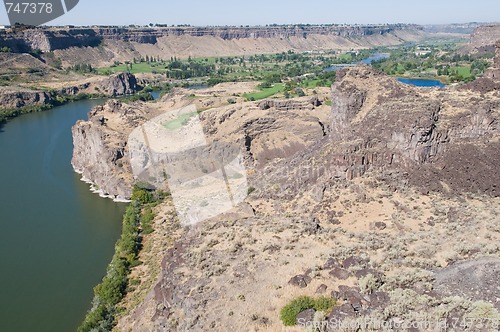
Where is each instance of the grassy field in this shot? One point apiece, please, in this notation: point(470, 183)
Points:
point(265, 93)
point(464, 71)
point(179, 122)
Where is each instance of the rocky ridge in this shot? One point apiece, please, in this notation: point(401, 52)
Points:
point(102, 46)
point(483, 38)
point(263, 130)
point(437, 139)
point(55, 39)
point(122, 84)
point(10, 99)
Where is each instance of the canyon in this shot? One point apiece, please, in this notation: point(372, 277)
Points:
point(371, 192)
point(384, 187)
point(102, 46)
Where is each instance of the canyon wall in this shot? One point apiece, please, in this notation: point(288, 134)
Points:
point(484, 37)
point(61, 38)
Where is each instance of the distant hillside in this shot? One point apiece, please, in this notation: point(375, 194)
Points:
point(460, 28)
point(104, 45)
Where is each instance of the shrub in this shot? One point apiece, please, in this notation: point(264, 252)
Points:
point(288, 313)
point(324, 304)
point(142, 195)
point(369, 283)
point(146, 221)
point(114, 285)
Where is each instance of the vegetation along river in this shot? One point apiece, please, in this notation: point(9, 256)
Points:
point(56, 237)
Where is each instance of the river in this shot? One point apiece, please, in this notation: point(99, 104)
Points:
point(56, 237)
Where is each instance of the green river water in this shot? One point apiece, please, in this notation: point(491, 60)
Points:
point(56, 237)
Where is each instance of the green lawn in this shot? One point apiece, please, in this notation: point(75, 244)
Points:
point(463, 71)
point(345, 56)
point(179, 122)
point(265, 93)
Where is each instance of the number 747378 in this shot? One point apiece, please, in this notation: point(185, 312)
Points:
point(29, 7)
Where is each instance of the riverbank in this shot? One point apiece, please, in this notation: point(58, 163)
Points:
point(19, 101)
point(116, 284)
point(57, 100)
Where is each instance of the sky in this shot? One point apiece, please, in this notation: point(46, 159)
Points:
point(262, 12)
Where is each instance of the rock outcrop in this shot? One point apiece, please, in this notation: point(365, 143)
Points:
point(264, 131)
point(18, 99)
point(436, 139)
point(483, 38)
point(16, 102)
point(441, 138)
point(122, 84)
point(100, 147)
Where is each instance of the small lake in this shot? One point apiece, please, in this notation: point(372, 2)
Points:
point(56, 237)
point(422, 82)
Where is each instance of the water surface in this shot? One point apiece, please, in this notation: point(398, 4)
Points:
point(422, 82)
point(56, 237)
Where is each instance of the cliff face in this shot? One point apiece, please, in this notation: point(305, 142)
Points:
point(99, 147)
point(263, 131)
point(387, 124)
point(484, 37)
point(58, 39)
point(115, 85)
point(49, 39)
point(18, 99)
point(435, 139)
point(400, 138)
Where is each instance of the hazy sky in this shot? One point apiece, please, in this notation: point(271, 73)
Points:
point(261, 12)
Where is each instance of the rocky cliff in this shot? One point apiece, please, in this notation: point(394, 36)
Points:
point(264, 131)
point(483, 38)
point(436, 139)
point(122, 84)
point(99, 147)
point(55, 39)
point(443, 139)
point(14, 102)
point(10, 99)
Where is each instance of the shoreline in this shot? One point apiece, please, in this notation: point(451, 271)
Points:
point(9, 114)
point(94, 188)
